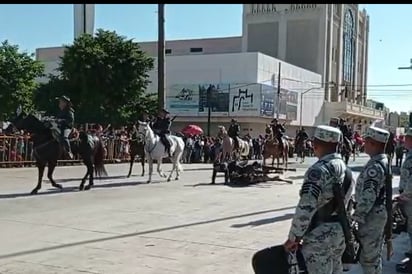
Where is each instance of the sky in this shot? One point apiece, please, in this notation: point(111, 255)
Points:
point(33, 26)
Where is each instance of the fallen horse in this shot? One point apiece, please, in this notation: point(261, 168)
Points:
point(245, 173)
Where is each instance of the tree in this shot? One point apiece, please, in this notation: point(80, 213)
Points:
point(18, 73)
point(105, 76)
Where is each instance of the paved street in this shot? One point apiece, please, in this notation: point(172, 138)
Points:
point(126, 226)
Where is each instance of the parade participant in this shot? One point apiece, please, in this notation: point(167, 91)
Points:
point(65, 119)
point(162, 128)
point(405, 184)
point(370, 197)
point(278, 131)
point(302, 135)
point(234, 132)
point(316, 224)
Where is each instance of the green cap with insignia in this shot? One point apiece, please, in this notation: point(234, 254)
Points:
point(409, 132)
point(378, 134)
point(328, 134)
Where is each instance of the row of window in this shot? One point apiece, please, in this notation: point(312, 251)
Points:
point(194, 50)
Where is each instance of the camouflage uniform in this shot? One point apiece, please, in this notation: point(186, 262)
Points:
point(370, 212)
point(323, 246)
point(405, 187)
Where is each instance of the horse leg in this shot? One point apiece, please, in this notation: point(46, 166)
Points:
point(50, 169)
point(159, 169)
point(81, 186)
point(132, 156)
point(150, 162)
point(142, 161)
point(174, 166)
point(40, 168)
point(273, 160)
point(90, 170)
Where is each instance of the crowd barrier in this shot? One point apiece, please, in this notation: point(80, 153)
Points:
point(16, 151)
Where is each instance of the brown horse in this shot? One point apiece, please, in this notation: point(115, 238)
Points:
point(271, 148)
point(136, 149)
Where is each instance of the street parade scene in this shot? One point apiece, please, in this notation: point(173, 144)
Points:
point(118, 158)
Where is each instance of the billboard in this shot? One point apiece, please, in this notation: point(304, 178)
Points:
point(183, 99)
point(218, 100)
point(267, 101)
point(244, 99)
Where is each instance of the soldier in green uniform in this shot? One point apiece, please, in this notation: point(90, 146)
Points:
point(370, 211)
point(315, 224)
point(405, 185)
point(65, 119)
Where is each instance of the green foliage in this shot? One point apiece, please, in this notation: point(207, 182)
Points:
point(105, 76)
point(18, 73)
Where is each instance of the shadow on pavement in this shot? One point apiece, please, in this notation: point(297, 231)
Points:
point(265, 221)
point(130, 235)
point(70, 189)
point(96, 178)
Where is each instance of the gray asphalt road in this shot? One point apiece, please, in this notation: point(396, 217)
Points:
point(126, 226)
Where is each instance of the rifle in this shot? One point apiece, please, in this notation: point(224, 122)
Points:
point(352, 250)
point(174, 117)
point(389, 221)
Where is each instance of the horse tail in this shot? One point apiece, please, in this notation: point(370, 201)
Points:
point(99, 160)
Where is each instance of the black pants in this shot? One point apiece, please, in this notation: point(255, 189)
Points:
point(65, 133)
point(280, 140)
point(165, 142)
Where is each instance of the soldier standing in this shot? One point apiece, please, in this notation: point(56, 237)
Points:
point(316, 222)
point(405, 185)
point(370, 212)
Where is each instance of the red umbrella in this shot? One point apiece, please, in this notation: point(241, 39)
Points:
point(192, 130)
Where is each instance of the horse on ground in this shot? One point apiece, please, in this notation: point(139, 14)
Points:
point(155, 150)
point(136, 149)
point(47, 150)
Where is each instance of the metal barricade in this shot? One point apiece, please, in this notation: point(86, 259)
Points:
point(17, 151)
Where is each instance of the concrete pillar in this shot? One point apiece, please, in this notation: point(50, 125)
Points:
point(83, 19)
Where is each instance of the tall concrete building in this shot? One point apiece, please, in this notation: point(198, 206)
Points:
point(329, 39)
point(83, 19)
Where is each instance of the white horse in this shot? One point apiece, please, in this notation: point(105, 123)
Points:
point(155, 150)
point(229, 150)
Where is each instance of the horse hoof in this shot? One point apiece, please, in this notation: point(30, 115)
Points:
point(177, 178)
point(148, 181)
point(33, 192)
point(81, 188)
point(168, 179)
point(87, 187)
point(142, 175)
point(59, 186)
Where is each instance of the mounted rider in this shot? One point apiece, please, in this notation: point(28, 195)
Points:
point(162, 128)
point(234, 132)
point(346, 132)
point(302, 135)
point(278, 132)
point(65, 121)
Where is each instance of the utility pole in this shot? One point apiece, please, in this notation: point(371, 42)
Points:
point(161, 57)
point(278, 100)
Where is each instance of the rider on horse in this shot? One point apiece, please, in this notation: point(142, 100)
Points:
point(234, 132)
point(278, 131)
point(346, 132)
point(162, 128)
point(65, 120)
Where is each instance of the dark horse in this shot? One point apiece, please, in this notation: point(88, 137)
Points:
point(390, 147)
point(136, 149)
point(47, 150)
point(346, 150)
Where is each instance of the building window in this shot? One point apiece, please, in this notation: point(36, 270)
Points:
point(168, 51)
point(348, 46)
point(196, 49)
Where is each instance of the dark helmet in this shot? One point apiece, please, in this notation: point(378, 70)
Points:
point(274, 120)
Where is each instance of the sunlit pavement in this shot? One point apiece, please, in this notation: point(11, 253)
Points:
point(127, 226)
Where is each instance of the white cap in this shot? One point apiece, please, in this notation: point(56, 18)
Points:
point(328, 134)
point(377, 134)
point(409, 132)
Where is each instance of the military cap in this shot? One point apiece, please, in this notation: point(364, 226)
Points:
point(378, 134)
point(328, 134)
point(409, 132)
